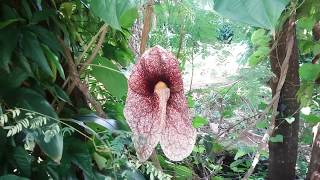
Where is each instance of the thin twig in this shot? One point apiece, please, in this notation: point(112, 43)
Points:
point(75, 77)
point(95, 51)
point(146, 26)
point(78, 60)
point(93, 39)
point(57, 120)
point(182, 34)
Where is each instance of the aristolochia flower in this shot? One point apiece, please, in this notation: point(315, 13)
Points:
point(156, 108)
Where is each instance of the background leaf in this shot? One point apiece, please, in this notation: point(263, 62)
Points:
point(32, 49)
point(8, 42)
point(277, 138)
point(309, 72)
point(109, 75)
point(259, 13)
point(23, 160)
point(198, 122)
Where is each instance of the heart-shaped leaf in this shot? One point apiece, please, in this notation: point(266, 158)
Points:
point(259, 13)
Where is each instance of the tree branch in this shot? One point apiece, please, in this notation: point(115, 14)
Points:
point(283, 75)
point(180, 40)
point(75, 78)
point(146, 26)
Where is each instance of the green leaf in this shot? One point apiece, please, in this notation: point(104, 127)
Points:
point(260, 38)
point(53, 59)
point(198, 122)
point(262, 124)
point(39, 16)
point(100, 161)
point(242, 151)
point(11, 80)
point(6, 23)
point(199, 149)
point(8, 42)
point(227, 113)
point(236, 166)
point(24, 64)
point(100, 7)
point(31, 100)
point(316, 49)
point(306, 23)
point(307, 137)
point(309, 72)
point(127, 12)
point(305, 93)
point(83, 161)
point(277, 138)
point(78, 152)
point(206, 31)
point(134, 174)
point(115, 110)
point(217, 178)
point(191, 102)
point(47, 37)
point(32, 49)
point(259, 13)
point(23, 160)
point(7, 12)
point(128, 17)
point(182, 171)
point(305, 46)
point(120, 13)
point(26, 10)
point(61, 94)
point(311, 118)
point(260, 54)
point(58, 92)
point(109, 75)
point(217, 147)
point(12, 177)
point(53, 148)
point(120, 53)
point(262, 106)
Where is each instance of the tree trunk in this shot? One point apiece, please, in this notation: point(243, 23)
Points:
point(314, 166)
point(283, 155)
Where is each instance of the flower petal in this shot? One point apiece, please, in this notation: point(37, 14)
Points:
point(138, 81)
point(178, 137)
point(143, 116)
point(156, 64)
point(158, 60)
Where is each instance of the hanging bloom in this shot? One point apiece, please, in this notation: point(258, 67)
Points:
point(156, 108)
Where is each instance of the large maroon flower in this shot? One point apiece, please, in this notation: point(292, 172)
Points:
point(156, 108)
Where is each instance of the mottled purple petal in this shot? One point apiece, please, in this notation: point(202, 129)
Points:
point(178, 138)
point(146, 120)
point(158, 114)
point(138, 81)
point(142, 115)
